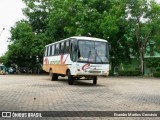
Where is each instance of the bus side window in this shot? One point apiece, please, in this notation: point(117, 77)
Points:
point(62, 48)
point(66, 47)
point(57, 49)
point(50, 51)
point(46, 50)
point(53, 48)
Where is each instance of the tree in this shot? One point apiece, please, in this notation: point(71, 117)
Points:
point(37, 12)
point(103, 19)
point(143, 19)
point(21, 40)
point(128, 25)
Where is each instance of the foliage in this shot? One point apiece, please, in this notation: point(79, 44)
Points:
point(143, 19)
point(37, 12)
point(129, 73)
point(3, 59)
point(128, 25)
point(152, 62)
point(156, 74)
point(104, 19)
point(22, 39)
point(25, 46)
point(158, 69)
point(111, 73)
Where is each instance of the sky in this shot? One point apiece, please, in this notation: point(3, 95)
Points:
point(10, 13)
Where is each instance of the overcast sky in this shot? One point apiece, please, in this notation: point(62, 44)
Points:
point(10, 12)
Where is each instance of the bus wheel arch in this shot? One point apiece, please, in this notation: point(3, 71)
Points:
point(53, 76)
point(67, 72)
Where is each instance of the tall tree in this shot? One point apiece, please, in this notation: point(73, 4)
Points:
point(21, 40)
point(143, 18)
point(37, 12)
point(104, 19)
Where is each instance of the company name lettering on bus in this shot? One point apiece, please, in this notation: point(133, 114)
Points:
point(55, 62)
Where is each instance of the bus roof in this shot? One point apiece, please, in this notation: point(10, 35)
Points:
point(88, 38)
point(81, 38)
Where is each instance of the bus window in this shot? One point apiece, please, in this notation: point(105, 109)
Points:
point(66, 47)
point(48, 51)
point(52, 50)
point(57, 49)
point(50, 54)
point(62, 48)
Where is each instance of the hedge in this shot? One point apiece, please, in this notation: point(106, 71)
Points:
point(156, 74)
point(158, 69)
point(111, 73)
point(129, 73)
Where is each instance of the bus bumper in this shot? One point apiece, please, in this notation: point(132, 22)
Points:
point(92, 73)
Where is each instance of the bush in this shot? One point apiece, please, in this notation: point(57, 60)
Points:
point(129, 73)
point(111, 73)
point(158, 69)
point(156, 74)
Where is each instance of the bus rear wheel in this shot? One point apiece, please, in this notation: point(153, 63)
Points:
point(70, 78)
point(53, 76)
point(95, 80)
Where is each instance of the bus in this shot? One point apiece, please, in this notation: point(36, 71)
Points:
point(77, 57)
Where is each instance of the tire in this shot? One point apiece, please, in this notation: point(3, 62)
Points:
point(95, 80)
point(70, 78)
point(77, 78)
point(53, 76)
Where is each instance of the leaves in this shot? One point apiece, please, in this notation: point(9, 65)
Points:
point(128, 25)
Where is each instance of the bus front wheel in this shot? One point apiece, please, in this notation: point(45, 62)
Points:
point(95, 80)
point(70, 78)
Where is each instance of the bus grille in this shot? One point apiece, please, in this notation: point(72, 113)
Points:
point(94, 71)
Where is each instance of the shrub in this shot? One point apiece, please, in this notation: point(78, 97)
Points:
point(158, 69)
point(129, 73)
point(111, 73)
point(156, 74)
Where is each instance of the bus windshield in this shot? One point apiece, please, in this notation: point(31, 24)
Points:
point(93, 52)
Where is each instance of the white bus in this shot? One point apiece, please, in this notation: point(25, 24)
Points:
point(78, 58)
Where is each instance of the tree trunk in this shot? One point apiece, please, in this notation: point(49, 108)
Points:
point(142, 61)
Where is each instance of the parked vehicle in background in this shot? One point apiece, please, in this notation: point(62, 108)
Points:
point(3, 70)
point(11, 70)
point(77, 58)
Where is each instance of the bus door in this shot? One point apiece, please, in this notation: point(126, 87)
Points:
point(73, 54)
